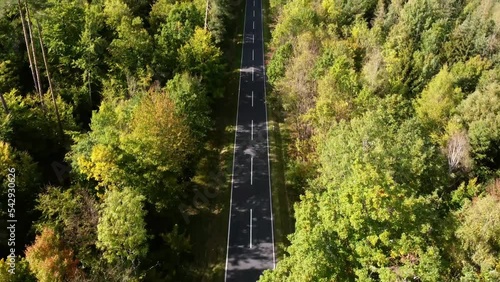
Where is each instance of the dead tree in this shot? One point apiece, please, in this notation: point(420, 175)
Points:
point(457, 150)
point(27, 45)
point(207, 8)
point(40, 37)
point(37, 73)
point(89, 75)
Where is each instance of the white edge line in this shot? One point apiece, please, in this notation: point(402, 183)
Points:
point(267, 132)
point(234, 149)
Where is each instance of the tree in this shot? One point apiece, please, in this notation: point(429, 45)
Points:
point(131, 46)
point(467, 74)
point(72, 213)
point(412, 44)
point(32, 129)
point(458, 151)
point(116, 11)
point(121, 232)
point(7, 78)
point(27, 175)
point(393, 104)
point(162, 143)
point(140, 143)
point(47, 72)
point(219, 11)
point(474, 34)
point(18, 167)
point(22, 272)
point(438, 100)
point(173, 26)
point(277, 66)
point(297, 17)
point(62, 23)
point(479, 233)
point(337, 91)
point(480, 115)
point(358, 219)
point(342, 13)
point(92, 50)
point(11, 57)
point(192, 102)
point(50, 260)
point(200, 57)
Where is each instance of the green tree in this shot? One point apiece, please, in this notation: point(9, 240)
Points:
point(297, 17)
point(480, 114)
point(479, 233)
point(131, 46)
point(342, 13)
point(474, 34)
point(92, 50)
point(22, 272)
point(200, 57)
point(411, 48)
point(192, 102)
point(337, 91)
point(18, 167)
point(121, 232)
point(32, 128)
point(219, 14)
point(12, 58)
point(358, 220)
point(296, 91)
point(8, 79)
point(277, 66)
point(467, 74)
point(439, 99)
point(173, 26)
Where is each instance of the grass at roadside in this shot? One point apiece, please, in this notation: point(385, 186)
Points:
point(283, 221)
point(282, 210)
point(209, 210)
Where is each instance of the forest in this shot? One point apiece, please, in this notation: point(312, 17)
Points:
point(390, 112)
point(107, 114)
point(113, 129)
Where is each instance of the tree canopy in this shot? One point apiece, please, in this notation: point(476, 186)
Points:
point(393, 105)
point(106, 110)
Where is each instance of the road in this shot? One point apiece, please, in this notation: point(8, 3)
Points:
point(250, 244)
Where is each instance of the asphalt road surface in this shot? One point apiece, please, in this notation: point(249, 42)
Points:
point(250, 245)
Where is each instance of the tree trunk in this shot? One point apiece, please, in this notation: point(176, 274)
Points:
point(6, 108)
point(206, 15)
point(34, 53)
point(89, 76)
point(48, 78)
point(27, 44)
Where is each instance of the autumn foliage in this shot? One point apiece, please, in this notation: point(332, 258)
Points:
point(50, 260)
